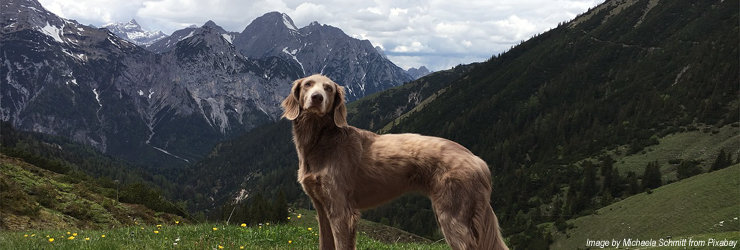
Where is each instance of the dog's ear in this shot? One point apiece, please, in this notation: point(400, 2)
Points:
point(340, 110)
point(292, 104)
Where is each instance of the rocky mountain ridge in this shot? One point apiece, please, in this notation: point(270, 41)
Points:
point(157, 109)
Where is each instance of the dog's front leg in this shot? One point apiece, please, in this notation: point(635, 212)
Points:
point(343, 219)
point(326, 236)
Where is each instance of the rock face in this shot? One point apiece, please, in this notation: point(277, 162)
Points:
point(418, 73)
point(133, 32)
point(63, 78)
point(168, 108)
point(322, 49)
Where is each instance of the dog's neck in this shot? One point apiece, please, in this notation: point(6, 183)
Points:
point(309, 128)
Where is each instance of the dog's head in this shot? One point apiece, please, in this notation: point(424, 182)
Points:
point(316, 94)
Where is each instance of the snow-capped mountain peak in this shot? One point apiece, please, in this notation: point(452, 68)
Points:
point(133, 32)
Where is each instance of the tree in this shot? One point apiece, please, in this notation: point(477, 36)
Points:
point(723, 160)
point(589, 187)
point(687, 169)
point(633, 186)
point(281, 207)
point(652, 177)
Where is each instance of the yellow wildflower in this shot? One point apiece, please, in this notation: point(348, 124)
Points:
point(290, 242)
point(299, 216)
point(215, 229)
point(25, 235)
point(68, 232)
point(87, 238)
point(220, 247)
point(51, 239)
point(33, 235)
point(241, 247)
point(244, 224)
point(159, 226)
point(102, 236)
point(309, 229)
point(74, 234)
point(156, 232)
point(71, 238)
point(177, 222)
point(288, 217)
point(267, 224)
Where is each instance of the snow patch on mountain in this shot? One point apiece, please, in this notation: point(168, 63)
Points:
point(53, 32)
point(292, 54)
point(288, 23)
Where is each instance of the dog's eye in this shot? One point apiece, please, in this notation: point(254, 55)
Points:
point(308, 84)
point(327, 88)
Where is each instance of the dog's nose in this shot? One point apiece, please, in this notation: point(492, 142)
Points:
point(316, 97)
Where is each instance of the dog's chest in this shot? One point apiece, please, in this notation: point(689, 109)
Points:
point(314, 184)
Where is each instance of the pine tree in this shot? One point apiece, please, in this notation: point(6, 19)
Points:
point(652, 177)
point(633, 186)
point(721, 161)
point(281, 207)
point(687, 169)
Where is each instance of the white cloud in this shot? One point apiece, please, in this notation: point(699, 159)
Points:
point(436, 33)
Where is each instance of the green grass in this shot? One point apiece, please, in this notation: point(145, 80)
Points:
point(297, 234)
point(32, 197)
point(705, 204)
point(702, 145)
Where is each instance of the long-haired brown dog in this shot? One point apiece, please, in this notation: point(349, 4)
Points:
point(345, 169)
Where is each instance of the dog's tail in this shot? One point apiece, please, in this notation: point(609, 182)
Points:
point(487, 228)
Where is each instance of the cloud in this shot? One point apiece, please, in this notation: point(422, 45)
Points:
point(438, 34)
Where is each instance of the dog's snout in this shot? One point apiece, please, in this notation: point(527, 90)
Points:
point(316, 97)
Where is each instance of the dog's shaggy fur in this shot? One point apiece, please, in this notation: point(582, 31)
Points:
point(345, 169)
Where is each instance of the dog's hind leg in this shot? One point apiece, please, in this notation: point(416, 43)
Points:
point(452, 205)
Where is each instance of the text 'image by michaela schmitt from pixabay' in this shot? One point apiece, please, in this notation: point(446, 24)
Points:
point(668, 242)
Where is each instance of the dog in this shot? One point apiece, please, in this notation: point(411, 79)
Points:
point(344, 170)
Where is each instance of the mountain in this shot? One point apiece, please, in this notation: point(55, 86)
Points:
point(163, 109)
point(549, 116)
point(418, 73)
point(313, 49)
point(168, 109)
point(323, 49)
point(169, 43)
point(132, 32)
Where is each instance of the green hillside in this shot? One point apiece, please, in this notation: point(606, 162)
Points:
point(700, 146)
point(36, 198)
point(703, 204)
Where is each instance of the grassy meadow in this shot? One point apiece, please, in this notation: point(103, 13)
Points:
point(300, 233)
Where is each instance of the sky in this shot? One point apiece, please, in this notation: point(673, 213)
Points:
point(438, 34)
